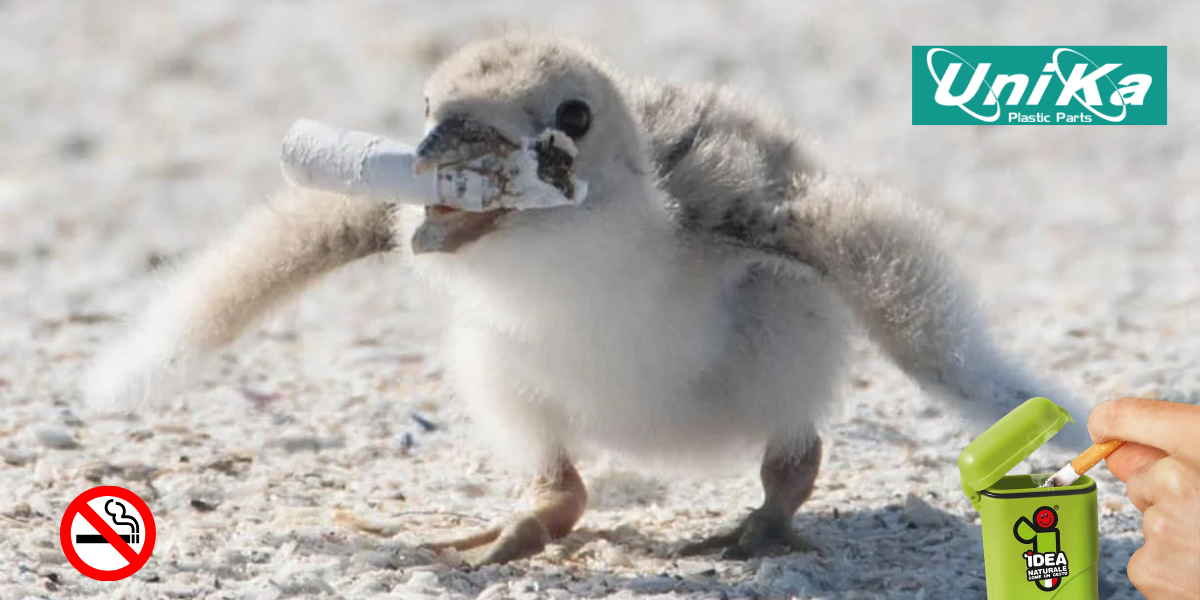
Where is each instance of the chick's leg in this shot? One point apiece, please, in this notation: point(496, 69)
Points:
point(788, 472)
point(560, 499)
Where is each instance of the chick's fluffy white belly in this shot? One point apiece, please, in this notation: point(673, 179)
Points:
point(645, 343)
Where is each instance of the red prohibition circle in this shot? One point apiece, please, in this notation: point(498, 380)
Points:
point(81, 503)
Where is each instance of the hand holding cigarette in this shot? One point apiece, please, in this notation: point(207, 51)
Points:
point(1160, 465)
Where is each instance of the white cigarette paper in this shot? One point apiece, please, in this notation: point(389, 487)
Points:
point(361, 164)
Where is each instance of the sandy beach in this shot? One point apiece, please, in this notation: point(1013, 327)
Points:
point(322, 448)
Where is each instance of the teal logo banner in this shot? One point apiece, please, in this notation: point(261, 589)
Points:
point(1039, 85)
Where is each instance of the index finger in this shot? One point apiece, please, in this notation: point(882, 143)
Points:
point(1130, 457)
point(1173, 427)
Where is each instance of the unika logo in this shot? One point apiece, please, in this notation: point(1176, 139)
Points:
point(1045, 562)
point(1019, 85)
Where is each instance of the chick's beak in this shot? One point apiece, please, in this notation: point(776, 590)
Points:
point(458, 138)
point(454, 140)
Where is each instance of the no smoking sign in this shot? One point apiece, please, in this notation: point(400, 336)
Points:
point(107, 533)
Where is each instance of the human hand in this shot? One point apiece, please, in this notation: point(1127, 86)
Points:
point(1160, 465)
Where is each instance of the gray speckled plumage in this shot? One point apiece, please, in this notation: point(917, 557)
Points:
point(737, 172)
point(725, 164)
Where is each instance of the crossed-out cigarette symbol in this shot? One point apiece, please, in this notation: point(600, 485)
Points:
point(132, 537)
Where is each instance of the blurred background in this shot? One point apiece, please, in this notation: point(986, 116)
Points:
point(133, 132)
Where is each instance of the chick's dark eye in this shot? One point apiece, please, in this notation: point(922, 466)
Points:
point(574, 118)
point(427, 107)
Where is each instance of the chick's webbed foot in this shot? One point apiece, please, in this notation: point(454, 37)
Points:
point(759, 534)
point(561, 500)
point(522, 537)
point(788, 472)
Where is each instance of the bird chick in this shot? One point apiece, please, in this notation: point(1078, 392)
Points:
point(699, 299)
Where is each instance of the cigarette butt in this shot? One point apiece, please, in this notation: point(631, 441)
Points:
point(1095, 454)
point(1076, 468)
point(372, 167)
point(95, 538)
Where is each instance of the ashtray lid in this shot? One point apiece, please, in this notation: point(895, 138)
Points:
point(1013, 438)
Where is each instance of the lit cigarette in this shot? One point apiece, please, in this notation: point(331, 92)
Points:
point(360, 164)
point(1082, 463)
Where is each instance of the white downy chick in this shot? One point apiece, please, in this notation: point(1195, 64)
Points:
point(699, 299)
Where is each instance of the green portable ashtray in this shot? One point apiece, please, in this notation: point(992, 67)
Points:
point(1037, 542)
